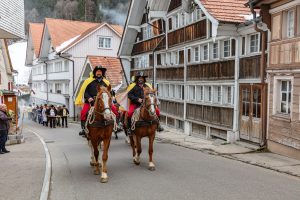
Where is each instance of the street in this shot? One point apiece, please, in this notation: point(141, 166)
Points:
point(180, 173)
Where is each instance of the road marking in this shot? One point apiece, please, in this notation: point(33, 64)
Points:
point(47, 177)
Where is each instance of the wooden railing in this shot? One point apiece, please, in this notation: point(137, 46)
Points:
point(209, 114)
point(174, 4)
point(149, 45)
point(223, 70)
point(172, 108)
point(250, 67)
point(188, 33)
point(170, 74)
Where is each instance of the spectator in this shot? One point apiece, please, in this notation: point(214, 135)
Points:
point(4, 127)
point(65, 114)
point(44, 115)
point(59, 115)
point(52, 115)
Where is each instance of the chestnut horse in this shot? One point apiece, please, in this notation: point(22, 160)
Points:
point(100, 124)
point(144, 124)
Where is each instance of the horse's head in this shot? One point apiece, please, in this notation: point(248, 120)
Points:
point(103, 101)
point(150, 101)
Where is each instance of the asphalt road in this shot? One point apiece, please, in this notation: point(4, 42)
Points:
point(180, 173)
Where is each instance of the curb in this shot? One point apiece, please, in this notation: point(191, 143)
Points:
point(48, 172)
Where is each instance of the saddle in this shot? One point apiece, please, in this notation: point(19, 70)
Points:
point(102, 123)
point(141, 123)
point(136, 122)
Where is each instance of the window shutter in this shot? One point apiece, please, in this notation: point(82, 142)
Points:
point(233, 47)
point(170, 24)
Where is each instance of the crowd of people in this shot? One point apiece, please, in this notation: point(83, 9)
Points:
point(51, 116)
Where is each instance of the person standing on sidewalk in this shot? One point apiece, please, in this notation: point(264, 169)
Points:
point(4, 127)
point(52, 116)
point(64, 114)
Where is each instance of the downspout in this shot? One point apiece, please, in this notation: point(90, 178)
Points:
point(235, 128)
point(46, 81)
point(73, 83)
point(262, 78)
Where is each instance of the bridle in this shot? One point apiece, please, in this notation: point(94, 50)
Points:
point(105, 108)
point(148, 107)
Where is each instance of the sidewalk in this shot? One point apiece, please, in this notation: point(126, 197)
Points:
point(22, 170)
point(239, 151)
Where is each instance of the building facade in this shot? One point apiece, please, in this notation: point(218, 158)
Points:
point(283, 21)
point(205, 63)
point(64, 46)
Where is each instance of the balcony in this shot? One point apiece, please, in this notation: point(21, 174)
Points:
point(149, 45)
point(170, 74)
point(250, 67)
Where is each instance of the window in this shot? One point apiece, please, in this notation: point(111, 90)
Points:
point(199, 93)
point(58, 88)
point(196, 54)
point(50, 87)
point(58, 66)
point(66, 88)
point(285, 97)
point(178, 91)
point(215, 51)
point(50, 67)
point(176, 25)
point(205, 52)
point(170, 23)
point(254, 43)
point(228, 93)
point(66, 66)
point(208, 93)
point(182, 22)
point(246, 101)
point(226, 48)
point(172, 91)
point(256, 103)
point(192, 94)
point(218, 94)
point(188, 18)
point(105, 42)
point(243, 45)
point(197, 15)
point(44, 69)
point(290, 23)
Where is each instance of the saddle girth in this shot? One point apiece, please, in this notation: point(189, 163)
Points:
point(101, 124)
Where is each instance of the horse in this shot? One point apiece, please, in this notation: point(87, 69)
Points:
point(144, 124)
point(100, 125)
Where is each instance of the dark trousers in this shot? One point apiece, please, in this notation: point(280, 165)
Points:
point(64, 120)
point(52, 122)
point(3, 139)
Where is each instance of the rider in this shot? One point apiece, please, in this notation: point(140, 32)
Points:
point(136, 97)
point(89, 92)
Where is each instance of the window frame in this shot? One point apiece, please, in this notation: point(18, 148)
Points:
point(217, 52)
point(250, 43)
point(288, 24)
point(205, 55)
point(104, 42)
point(229, 48)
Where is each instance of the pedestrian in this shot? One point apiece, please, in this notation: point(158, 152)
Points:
point(65, 114)
point(44, 115)
point(4, 127)
point(52, 116)
point(58, 116)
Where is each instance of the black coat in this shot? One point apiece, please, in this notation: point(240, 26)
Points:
point(136, 93)
point(91, 89)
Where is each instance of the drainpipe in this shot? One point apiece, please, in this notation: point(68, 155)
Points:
point(73, 83)
point(262, 78)
point(235, 129)
point(46, 81)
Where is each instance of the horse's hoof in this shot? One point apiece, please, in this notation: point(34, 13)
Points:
point(103, 180)
point(136, 162)
point(151, 168)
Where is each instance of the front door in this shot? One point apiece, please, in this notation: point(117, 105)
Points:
point(250, 112)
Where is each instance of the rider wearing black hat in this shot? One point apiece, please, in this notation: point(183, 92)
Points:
point(91, 90)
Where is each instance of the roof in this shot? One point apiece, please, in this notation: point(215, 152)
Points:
point(227, 10)
point(113, 65)
point(61, 30)
point(36, 30)
point(118, 28)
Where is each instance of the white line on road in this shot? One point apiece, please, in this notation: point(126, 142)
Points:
point(47, 177)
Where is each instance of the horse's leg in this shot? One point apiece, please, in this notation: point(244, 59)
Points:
point(138, 150)
point(151, 141)
point(93, 160)
point(95, 144)
point(132, 146)
point(104, 177)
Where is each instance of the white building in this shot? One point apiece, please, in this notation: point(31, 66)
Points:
point(58, 60)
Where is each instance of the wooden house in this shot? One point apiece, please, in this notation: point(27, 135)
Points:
point(282, 19)
point(204, 57)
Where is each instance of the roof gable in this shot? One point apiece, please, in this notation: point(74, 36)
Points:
point(36, 32)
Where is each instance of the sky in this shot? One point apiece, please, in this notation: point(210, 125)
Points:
point(17, 53)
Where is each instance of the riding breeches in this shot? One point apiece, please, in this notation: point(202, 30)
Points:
point(133, 107)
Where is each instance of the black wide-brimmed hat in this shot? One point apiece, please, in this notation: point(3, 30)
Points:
point(99, 67)
point(140, 74)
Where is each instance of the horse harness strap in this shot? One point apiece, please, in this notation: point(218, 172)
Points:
point(101, 124)
point(146, 123)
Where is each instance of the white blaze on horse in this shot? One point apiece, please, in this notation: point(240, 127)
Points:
point(144, 124)
point(100, 125)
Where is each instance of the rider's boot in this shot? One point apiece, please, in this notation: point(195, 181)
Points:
point(159, 127)
point(129, 131)
point(82, 132)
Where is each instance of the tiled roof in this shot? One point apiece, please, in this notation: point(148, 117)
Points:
point(63, 30)
point(117, 28)
point(36, 30)
point(113, 65)
point(227, 10)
